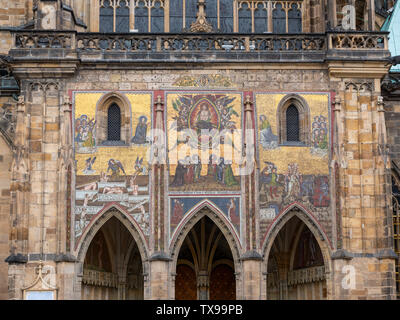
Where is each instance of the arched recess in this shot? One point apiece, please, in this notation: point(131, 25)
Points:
point(206, 210)
point(126, 278)
point(294, 221)
point(106, 101)
point(304, 118)
point(100, 220)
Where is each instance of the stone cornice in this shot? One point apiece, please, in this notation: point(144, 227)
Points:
point(360, 69)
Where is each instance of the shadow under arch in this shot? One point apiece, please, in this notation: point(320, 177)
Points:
point(98, 222)
point(101, 116)
point(297, 210)
point(205, 209)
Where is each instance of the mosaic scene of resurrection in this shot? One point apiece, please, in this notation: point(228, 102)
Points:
point(204, 134)
point(286, 176)
point(111, 174)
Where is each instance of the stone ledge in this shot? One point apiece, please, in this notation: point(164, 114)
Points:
point(16, 258)
point(387, 254)
point(65, 258)
point(251, 255)
point(381, 254)
point(160, 256)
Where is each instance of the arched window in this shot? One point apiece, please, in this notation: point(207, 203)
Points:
point(157, 17)
point(294, 121)
point(106, 17)
point(175, 16)
point(113, 120)
point(294, 19)
point(260, 18)
point(226, 16)
point(244, 18)
point(279, 19)
point(122, 17)
point(292, 124)
point(114, 123)
point(114, 16)
point(141, 17)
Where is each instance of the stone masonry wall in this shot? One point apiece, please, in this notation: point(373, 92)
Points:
point(5, 164)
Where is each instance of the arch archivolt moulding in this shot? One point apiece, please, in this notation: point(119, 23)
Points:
point(304, 117)
point(206, 209)
point(102, 112)
point(98, 222)
point(296, 210)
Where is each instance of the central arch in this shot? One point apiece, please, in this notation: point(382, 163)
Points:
point(205, 257)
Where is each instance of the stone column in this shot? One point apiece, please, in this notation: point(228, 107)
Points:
point(19, 194)
point(159, 263)
point(363, 262)
point(252, 276)
point(251, 260)
point(203, 285)
point(159, 278)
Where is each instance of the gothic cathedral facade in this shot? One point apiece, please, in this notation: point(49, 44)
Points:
point(193, 149)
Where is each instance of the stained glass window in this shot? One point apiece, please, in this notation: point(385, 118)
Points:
point(106, 17)
point(122, 17)
point(114, 123)
point(294, 19)
point(279, 19)
point(292, 124)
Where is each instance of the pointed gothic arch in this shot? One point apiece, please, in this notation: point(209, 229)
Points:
point(206, 209)
point(98, 222)
point(296, 257)
point(297, 210)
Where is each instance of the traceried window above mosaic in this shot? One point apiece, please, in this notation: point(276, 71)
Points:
point(225, 16)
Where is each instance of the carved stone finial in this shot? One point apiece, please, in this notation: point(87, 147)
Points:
point(248, 104)
point(337, 103)
point(67, 104)
point(21, 104)
point(201, 24)
point(159, 104)
point(380, 104)
point(67, 100)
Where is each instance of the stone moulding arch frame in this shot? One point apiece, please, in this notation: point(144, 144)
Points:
point(97, 223)
point(304, 118)
point(102, 117)
point(205, 209)
point(297, 210)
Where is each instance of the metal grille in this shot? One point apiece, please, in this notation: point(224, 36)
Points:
point(292, 124)
point(114, 123)
point(396, 231)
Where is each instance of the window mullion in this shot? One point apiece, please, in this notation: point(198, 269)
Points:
point(114, 4)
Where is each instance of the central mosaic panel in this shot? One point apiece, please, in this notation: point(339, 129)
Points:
point(204, 141)
point(204, 154)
